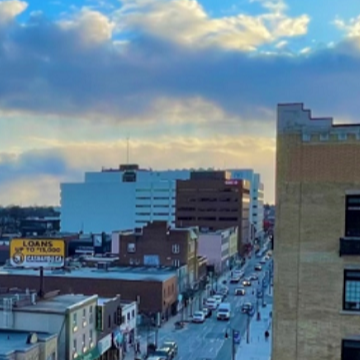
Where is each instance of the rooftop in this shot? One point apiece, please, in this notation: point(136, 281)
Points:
point(12, 341)
point(55, 305)
point(126, 273)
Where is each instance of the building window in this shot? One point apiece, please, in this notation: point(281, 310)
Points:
point(133, 313)
point(91, 339)
point(109, 321)
point(131, 248)
point(75, 348)
point(175, 249)
point(352, 216)
point(84, 343)
point(351, 296)
point(176, 262)
point(123, 321)
point(350, 350)
point(114, 318)
point(91, 314)
point(75, 327)
point(84, 322)
point(128, 316)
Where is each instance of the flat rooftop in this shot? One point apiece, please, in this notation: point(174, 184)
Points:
point(54, 305)
point(113, 273)
point(12, 341)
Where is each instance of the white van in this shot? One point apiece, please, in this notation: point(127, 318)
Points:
point(224, 311)
point(211, 304)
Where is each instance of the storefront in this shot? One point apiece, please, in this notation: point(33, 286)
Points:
point(92, 354)
point(104, 347)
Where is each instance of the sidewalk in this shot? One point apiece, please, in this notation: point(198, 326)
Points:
point(258, 348)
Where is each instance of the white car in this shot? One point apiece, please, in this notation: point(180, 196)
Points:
point(211, 304)
point(198, 317)
point(218, 299)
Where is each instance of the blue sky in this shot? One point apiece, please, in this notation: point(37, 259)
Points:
point(192, 83)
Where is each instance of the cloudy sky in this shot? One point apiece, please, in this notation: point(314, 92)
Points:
point(192, 83)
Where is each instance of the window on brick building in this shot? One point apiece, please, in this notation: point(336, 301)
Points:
point(351, 294)
point(350, 349)
point(352, 216)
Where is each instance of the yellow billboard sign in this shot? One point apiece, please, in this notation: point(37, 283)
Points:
point(34, 253)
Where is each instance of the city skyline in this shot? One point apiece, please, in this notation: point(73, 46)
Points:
point(191, 83)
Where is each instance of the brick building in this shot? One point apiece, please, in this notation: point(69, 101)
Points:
point(212, 201)
point(131, 284)
point(158, 245)
point(317, 238)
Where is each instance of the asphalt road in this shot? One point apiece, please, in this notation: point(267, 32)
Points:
point(207, 340)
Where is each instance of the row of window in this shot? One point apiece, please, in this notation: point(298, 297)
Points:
point(131, 248)
point(155, 198)
point(85, 318)
point(83, 346)
point(207, 218)
point(155, 214)
point(155, 206)
point(208, 209)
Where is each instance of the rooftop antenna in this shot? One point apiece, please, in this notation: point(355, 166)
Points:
point(127, 150)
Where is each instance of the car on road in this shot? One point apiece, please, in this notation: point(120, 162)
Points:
point(263, 261)
point(198, 317)
point(164, 353)
point(154, 357)
point(172, 345)
point(207, 312)
point(258, 267)
point(224, 290)
point(246, 282)
point(240, 292)
point(253, 277)
point(248, 308)
point(218, 298)
point(211, 303)
point(235, 279)
point(224, 311)
point(259, 293)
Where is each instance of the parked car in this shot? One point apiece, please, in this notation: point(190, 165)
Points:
point(218, 299)
point(246, 282)
point(211, 303)
point(172, 345)
point(240, 292)
point(258, 267)
point(198, 317)
point(164, 353)
point(224, 290)
point(248, 308)
point(206, 312)
point(253, 277)
point(263, 261)
point(235, 279)
point(224, 311)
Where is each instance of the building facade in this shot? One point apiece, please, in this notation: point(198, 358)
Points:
point(212, 201)
point(120, 199)
point(126, 198)
point(159, 245)
point(132, 284)
point(256, 214)
point(317, 237)
point(219, 247)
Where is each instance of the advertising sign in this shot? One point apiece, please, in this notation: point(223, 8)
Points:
point(105, 344)
point(231, 182)
point(34, 253)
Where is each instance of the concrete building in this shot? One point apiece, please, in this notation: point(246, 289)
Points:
point(219, 247)
point(159, 245)
point(69, 316)
point(317, 237)
point(119, 199)
point(26, 345)
point(212, 201)
point(131, 283)
point(256, 214)
point(129, 321)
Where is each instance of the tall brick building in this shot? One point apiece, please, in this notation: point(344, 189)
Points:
point(317, 238)
point(213, 201)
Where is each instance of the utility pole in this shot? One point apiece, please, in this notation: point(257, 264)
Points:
point(248, 330)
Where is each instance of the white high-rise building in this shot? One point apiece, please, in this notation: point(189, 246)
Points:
point(130, 197)
point(119, 199)
point(256, 194)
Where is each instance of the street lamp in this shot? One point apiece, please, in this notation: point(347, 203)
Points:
point(235, 340)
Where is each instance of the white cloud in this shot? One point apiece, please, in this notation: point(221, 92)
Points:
point(350, 27)
point(186, 22)
point(10, 9)
point(92, 26)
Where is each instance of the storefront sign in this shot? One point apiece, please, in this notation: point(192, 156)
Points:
point(93, 354)
point(104, 344)
point(34, 253)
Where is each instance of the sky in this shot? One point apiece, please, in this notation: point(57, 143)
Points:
point(192, 83)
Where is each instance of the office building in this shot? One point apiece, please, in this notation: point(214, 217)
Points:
point(317, 238)
point(220, 248)
point(256, 213)
point(159, 245)
point(131, 283)
point(213, 201)
point(119, 199)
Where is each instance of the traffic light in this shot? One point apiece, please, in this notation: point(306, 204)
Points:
point(99, 318)
point(118, 315)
